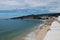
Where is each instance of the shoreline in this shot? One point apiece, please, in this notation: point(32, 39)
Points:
point(29, 34)
point(40, 34)
point(32, 35)
point(40, 31)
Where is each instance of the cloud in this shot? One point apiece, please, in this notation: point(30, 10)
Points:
point(56, 10)
point(55, 6)
point(10, 4)
point(35, 3)
point(51, 5)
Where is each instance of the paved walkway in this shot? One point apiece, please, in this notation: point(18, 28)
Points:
point(54, 33)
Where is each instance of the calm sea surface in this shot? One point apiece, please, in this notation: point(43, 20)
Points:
point(12, 28)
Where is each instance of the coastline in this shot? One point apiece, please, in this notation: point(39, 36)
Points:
point(44, 29)
point(38, 33)
point(32, 35)
point(28, 35)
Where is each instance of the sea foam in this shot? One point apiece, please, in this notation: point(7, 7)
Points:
point(32, 35)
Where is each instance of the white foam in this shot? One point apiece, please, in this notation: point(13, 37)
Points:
point(32, 35)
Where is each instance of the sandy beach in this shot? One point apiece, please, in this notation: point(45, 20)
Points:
point(44, 29)
point(50, 30)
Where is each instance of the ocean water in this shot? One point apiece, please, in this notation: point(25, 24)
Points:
point(10, 29)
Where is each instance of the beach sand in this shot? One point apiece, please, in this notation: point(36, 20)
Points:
point(44, 29)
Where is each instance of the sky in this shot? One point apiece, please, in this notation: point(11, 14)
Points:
point(13, 8)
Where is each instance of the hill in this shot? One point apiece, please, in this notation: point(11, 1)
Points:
point(38, 16)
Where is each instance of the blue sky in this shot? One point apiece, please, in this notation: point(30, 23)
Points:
point(13, 8)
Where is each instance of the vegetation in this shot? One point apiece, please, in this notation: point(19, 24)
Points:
point(38, 16)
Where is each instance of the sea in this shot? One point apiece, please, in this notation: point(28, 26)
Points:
point(17, 29)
